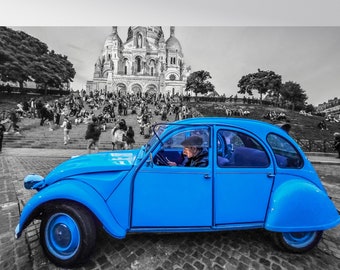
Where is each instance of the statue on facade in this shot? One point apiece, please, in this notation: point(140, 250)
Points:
point(112, 65)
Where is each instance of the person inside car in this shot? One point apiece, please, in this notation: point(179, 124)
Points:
point(195, 154)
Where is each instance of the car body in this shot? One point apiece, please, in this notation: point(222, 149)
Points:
point(257, 177)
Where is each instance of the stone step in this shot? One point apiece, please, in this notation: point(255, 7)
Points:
point(17, 141)
point(32, 135)
point(41, 137)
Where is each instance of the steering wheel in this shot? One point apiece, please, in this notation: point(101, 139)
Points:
point(160, 159)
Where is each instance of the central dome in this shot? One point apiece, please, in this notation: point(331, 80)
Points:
point(154, 32)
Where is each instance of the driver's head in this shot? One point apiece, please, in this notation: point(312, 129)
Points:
point(192, 146)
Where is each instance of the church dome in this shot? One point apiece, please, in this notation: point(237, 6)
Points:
point(113, 37)
point(172, 43)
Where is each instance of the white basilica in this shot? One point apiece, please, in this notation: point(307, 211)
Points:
point(145, 63)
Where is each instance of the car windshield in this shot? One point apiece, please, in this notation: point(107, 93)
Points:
point(158, 130)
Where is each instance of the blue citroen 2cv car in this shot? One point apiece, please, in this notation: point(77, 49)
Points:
point(194, 175)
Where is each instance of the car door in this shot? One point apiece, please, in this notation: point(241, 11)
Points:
point(244, 176)
point(178, 196)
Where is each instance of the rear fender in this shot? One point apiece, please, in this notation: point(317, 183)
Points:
point(74, 191)
point(299, 205)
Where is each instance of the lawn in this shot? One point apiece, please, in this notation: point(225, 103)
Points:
point(304, 128)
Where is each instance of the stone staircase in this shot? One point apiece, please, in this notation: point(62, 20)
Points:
point(40, 137)
point(32, 135)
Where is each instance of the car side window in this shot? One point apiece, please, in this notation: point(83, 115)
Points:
point(173, 148)
point(286, 154)
point(236, 149)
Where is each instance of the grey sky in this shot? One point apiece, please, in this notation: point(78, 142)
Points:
point(309, 56)
point(174, 12)
point(298, 39)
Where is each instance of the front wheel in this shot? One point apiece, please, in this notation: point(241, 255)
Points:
point(67, 234)
point(298, 242)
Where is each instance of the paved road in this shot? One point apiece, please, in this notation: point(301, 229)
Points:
point(223, 250)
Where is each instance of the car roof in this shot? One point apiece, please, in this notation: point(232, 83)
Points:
point(255, 126)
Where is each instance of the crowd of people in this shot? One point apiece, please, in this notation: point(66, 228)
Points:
point(101, 109)
point(98, 110)
point(274, 116)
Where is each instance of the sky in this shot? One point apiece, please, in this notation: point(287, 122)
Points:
point(297, 39)
point(309, 56)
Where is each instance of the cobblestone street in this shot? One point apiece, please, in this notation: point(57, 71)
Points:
point(223, 250)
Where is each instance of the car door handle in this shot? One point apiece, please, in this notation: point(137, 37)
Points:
point(207, 176)
point(270, 175)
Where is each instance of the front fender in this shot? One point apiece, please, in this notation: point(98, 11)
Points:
point(75, 191)
point(299, 205)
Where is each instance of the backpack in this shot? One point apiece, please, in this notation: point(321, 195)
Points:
point(68, 125)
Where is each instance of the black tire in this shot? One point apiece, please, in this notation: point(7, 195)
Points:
point(67, 234)
point(297, 242)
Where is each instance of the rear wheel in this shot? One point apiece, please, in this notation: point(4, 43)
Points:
point(67, 234)
point(298, 242)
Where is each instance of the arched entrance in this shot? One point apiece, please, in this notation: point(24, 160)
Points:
point(121, 89)
point(151, 89)
point(136, 89)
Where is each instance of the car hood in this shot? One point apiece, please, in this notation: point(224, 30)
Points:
point(93, 163)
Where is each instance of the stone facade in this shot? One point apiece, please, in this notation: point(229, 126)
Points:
point(144, 63)
point(332, 106)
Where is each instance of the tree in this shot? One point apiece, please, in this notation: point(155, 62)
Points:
point(25, 58)
point(198, 82)
point(17, 53)
point(310, 108)
point(53, 70)
point(293, 94)
point(262, 81)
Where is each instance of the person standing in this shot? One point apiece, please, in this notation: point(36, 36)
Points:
point(50, 116)
point(92, 134)
point(118, 136)
point(113, 140)
point(32, 108)
point(2, 131)
point(337, 143)
point(67, 125)
point(46, 113)
point(130, 137)
point(13, 119)
point(176, 112)
point(39, 106)
point(57, 112)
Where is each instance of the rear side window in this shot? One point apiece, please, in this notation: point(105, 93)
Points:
point(236, 149)
point(286, 154)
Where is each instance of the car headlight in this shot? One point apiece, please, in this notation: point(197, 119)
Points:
point(33, 181)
